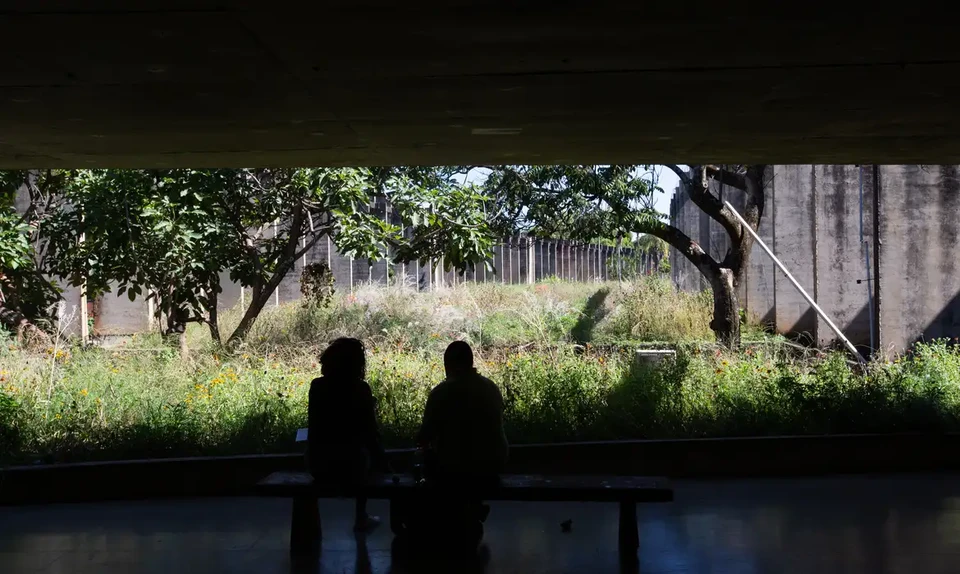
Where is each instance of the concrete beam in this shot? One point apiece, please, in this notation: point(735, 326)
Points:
point(240, 83)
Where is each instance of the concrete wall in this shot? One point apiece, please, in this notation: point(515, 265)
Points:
point(843, 280)
point(919, 229)
point(875, 247)
point(759, 298)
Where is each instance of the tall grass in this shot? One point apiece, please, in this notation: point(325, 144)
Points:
point(97, 404)
point(654, 310)
point(142, 400)
point(488, 315)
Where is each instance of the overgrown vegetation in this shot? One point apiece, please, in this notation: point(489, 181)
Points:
point(142, 400)
point(170, 236)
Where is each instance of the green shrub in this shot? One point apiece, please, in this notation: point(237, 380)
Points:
point(142, 400)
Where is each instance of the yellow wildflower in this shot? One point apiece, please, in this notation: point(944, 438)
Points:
point(83, 392)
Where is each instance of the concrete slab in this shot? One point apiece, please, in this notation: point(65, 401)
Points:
point(876, 524)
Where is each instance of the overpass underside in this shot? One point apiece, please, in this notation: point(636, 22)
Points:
point(239, 83)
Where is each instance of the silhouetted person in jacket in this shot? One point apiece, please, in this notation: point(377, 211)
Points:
point(343, 442)
point(462, 430)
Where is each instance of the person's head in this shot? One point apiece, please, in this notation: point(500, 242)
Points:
point(344, 358)
point(458, 359)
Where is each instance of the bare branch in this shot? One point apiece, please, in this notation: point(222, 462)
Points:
point(684, 178)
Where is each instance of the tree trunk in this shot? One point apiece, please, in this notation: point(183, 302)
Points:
point(184, 348)
point(726, 309)
point(213, 319)
point(258, 301)
point(177, 327)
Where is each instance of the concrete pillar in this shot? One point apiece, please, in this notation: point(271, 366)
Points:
point(759, 299)
point(919, 271)
point(531, 261)
point(841, 272)
point(795, 244)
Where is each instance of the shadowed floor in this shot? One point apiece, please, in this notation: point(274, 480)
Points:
point(853, 525)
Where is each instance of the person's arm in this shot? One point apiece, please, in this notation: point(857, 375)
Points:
point(371, 430)
point(313, 417)
point(428, 428)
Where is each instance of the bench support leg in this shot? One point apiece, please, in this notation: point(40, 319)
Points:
point(305, 531)
point(629, 535)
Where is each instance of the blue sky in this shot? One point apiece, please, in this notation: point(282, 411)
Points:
point(668, 181)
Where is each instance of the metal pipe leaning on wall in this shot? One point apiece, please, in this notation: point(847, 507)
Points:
point(795, 283)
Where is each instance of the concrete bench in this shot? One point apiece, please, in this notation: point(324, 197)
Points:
point(305, 531)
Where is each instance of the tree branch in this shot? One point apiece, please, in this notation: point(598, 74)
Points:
point(309, 244)
point(684, 178)
point(726, 177)
point(682, 243)
point(712, 206)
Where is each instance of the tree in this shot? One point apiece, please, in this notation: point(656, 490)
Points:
point(143, 233)
point(27, 295)
point(726, 274)
point(170, 235)
point(445, 218)
point(588, 202)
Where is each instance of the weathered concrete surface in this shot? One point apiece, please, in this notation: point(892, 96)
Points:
point(759, 299)
point(689, 219)
point(840, 262)
point(794, 244)
point(919, 272)
point(236, 83)
point(910, 218)
point(118, 315)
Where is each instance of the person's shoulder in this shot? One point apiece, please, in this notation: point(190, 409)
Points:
point(318, 391)
point(490, 386)
point(441, 387)
point(486, 381)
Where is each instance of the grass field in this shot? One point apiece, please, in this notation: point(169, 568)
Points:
point(143, 400)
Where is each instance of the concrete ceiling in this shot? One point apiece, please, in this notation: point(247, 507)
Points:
point(240, 83)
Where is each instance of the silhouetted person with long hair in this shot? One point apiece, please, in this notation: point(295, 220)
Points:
point(462, 428)
point(343, 443)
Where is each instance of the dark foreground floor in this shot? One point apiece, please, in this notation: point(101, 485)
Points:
point(873, 525)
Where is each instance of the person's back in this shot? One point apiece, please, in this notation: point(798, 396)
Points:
point(343, 441)
point(342, 427)
point(463, 419)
